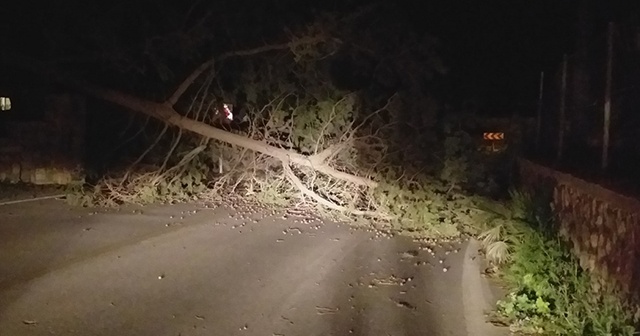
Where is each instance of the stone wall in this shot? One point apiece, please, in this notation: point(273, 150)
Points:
point(602, 226)
point(49, 150)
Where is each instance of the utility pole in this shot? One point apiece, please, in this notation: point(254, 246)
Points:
point(563, 103)
point(607, 101)
point(539, 115)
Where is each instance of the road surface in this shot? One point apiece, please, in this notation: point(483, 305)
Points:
point(191, 269)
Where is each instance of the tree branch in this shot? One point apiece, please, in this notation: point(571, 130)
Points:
point(182, 88)
point(327, 153)
point(322, 201)
point(187, 82)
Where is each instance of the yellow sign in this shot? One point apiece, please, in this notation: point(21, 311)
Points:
point(493, 136)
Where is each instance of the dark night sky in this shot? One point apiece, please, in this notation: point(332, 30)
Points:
point(494, 49)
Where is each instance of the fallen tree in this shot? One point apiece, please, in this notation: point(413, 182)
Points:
point(165, 112)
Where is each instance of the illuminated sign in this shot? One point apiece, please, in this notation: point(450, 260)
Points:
point(493, 136)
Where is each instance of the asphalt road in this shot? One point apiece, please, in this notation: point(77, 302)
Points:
point(193, 270)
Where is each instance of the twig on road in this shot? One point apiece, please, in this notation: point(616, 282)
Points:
point(32, 199)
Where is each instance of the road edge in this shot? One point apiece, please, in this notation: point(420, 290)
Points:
point(477, 295)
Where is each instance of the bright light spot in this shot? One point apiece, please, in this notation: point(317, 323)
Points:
point(228, 108)
point(5, 103)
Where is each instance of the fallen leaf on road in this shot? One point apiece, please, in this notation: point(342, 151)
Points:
point(29, 322)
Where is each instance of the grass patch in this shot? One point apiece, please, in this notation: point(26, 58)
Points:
point(548, 292)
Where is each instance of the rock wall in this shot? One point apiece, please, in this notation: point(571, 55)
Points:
point(49, 150)
point(602, 226)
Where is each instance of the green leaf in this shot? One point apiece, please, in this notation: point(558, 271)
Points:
point(542, 306)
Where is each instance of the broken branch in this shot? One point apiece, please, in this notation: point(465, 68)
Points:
point(322, 201)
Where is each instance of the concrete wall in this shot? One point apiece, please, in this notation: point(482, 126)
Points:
point(602, 226)
point(49, 150)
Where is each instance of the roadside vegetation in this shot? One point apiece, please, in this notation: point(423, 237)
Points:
point(548, 292)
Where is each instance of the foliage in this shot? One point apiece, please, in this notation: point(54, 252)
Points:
point(464, 164)
point(458, 161)
point(184, 181)
point(549, 292)
point(407, 200)
point(421, 206)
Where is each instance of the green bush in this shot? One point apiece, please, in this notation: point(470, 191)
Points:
point(549, 292)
